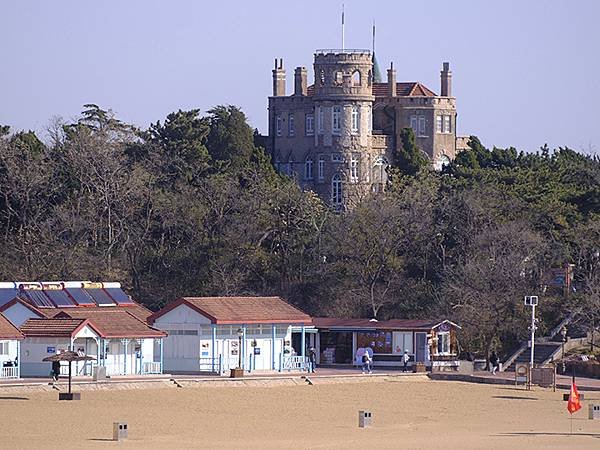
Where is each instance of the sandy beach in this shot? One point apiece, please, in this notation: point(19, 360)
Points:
point(407, 413)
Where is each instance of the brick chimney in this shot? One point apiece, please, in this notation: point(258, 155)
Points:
point(446, 80)
point(300, 81)
point(391, 81)
point(278, 79)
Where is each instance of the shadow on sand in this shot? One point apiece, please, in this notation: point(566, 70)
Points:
point(102, 440)
point(14, 398)
point(535, 433)
point(513, 397)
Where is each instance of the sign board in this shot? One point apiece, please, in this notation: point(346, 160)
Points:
point(521, 372)
point(257, 350)
point(543, 376)
point(50, 349)
point(531, 300)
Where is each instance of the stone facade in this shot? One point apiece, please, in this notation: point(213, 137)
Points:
point(337, 135)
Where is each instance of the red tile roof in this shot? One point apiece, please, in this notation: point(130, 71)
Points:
point(240, 310)
point(403, 89)
point(8, 330)
point(111, 321)
point(394, 324)
point(52, 327)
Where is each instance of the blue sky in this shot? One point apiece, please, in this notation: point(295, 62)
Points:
point(524, 71)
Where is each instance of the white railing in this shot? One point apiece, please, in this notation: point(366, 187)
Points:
point(294, 363)
point(9, 372)
point(151, 368)
point(210, 364)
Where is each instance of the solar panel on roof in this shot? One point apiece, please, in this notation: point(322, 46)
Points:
point(119, 296)
point(38, 298)
point(80, 296)
point(6, 295)
point(100, 297)
point(60, 298)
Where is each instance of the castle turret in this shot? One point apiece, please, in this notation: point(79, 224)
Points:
point(391, 81)
point(446, 81)
point(300, 81)
point(278, 79)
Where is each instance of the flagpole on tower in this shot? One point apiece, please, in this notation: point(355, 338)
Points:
point(343, 30)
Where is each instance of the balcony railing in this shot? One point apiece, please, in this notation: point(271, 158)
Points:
point(380, 141)
point(151, 368)
point(9, 372)
point(325, 51)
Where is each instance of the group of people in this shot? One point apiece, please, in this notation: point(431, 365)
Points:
point(367, 360)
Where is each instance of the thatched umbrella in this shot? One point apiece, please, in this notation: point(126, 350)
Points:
point(69, 356)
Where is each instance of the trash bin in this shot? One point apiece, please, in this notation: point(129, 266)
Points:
point(364, 419)
point(119, 431)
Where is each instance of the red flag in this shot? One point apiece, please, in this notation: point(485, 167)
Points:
point(574, 404)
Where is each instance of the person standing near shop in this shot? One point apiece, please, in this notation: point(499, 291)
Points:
point(312, 359)
point(366, 362)
point(405, 360)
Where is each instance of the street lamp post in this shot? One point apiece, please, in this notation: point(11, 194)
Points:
point(240, 334)
point(532, 300)
point(563, 333)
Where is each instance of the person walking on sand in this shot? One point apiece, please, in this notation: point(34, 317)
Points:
point(494, 362)
point(405, 360)
point(312, 359)
point(366, 362)
point(55, 370)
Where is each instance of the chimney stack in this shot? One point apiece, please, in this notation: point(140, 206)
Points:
point(391, 81)
point(278, 79)
point(300, 81)
point(446, 80)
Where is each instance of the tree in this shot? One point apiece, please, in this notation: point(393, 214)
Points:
point(409, 158)
point(486, 289)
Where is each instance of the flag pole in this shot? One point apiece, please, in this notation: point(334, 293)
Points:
point(572, 384)
point(343, 30)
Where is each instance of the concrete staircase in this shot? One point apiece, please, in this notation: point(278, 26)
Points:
point(545, 349)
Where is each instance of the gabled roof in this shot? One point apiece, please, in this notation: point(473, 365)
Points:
point(394, 324)
point(111, 322)
point(8, 330)
point(403, 89)
point(240, 310)
point(53, 327)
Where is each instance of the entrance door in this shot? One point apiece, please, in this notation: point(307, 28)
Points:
point(420, 346)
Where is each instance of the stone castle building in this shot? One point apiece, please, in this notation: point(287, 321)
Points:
point(337, 135)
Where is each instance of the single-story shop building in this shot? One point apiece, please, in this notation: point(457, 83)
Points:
point(344, 341)
point(215, 334)
point(10, 347)
point(95, 319)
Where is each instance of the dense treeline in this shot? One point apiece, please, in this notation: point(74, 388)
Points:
point(193, 206)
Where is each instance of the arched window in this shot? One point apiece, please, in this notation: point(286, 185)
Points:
point(441, 161)
point(379, 176)
point(336, 190)
point(356, 78)
point(308, 169)
point(288, 169)
point(322, 77)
